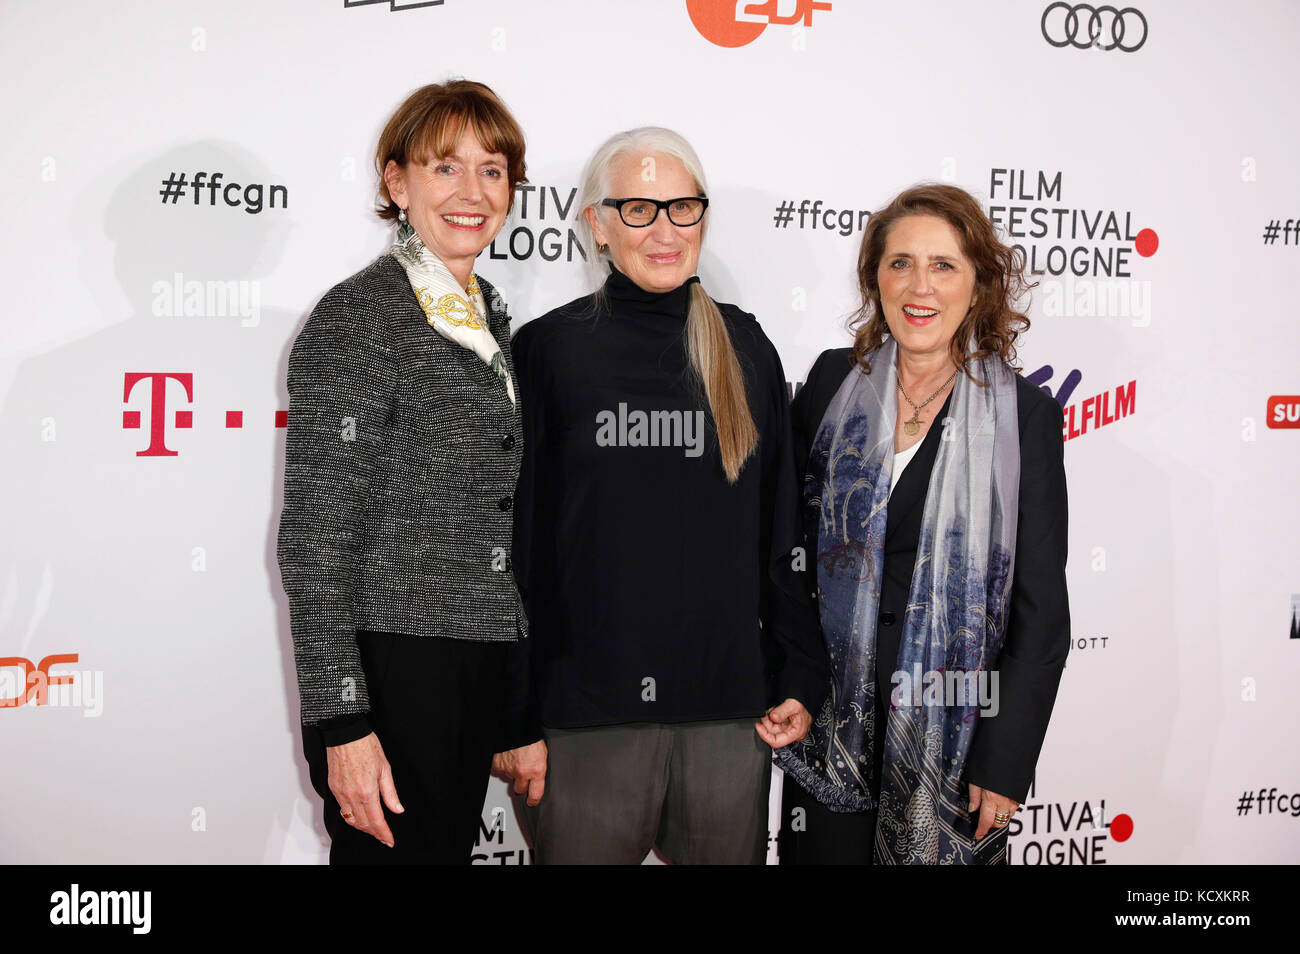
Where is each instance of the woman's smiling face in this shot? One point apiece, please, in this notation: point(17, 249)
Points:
point(457, 203)
point(927, 285)
point(660, 256)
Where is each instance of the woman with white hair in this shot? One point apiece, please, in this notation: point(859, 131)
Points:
point(671, 645)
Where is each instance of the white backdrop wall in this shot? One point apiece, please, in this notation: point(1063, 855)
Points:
point(174, 739)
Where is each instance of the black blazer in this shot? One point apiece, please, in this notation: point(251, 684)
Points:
point(401, 458)
point(1005, 748)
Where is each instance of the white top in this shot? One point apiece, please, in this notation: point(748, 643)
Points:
point(901, 460)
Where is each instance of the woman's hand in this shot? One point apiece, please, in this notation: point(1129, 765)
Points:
point(989, 805)
point(527, 766)
point(358, 775)
point(781, 725)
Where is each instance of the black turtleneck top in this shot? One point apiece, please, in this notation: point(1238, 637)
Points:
point(655, 590)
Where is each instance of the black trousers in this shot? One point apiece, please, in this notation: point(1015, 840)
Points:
point(812, 834)
point(436, 709)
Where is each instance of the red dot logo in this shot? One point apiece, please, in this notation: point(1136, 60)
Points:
point(1121, 826)
point(716, 21)
point(1147, 242)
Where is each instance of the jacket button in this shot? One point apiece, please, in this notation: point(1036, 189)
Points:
point(887, 618)
point(508, 442)
point(505, 503)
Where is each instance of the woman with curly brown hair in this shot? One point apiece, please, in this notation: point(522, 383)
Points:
point(934, 481)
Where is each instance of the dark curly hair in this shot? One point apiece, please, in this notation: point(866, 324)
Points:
point(999, 277)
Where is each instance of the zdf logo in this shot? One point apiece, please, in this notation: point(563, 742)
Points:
point(733, 23)
point(82, 690)
point(36, 680)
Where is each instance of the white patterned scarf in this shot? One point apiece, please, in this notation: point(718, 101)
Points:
point(458, 314)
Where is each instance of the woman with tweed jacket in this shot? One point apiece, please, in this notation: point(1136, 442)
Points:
point(402, 453)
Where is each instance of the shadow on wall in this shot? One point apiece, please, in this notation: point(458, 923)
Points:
point(158, 568)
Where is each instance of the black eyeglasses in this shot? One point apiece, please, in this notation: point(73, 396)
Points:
point(638, 213)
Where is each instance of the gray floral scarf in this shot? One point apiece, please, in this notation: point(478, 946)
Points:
point(956, 613)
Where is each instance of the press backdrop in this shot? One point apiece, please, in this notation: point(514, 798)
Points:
point(1146, 159)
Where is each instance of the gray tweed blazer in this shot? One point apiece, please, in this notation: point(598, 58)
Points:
point(401, 458)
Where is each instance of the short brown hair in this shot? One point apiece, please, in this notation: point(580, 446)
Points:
point(999, 276)
point(430, 122)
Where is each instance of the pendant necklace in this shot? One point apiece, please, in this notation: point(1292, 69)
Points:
point(913, 424)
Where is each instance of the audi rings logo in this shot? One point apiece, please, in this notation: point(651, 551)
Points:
point(1106, 28)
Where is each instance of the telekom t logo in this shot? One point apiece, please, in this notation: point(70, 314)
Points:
point(157, 408)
